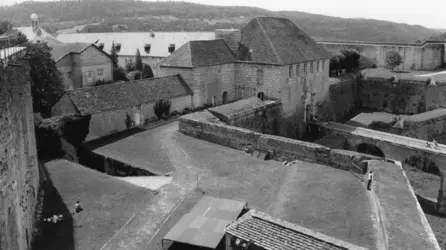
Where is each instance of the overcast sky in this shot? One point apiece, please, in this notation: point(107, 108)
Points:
point(429, 13)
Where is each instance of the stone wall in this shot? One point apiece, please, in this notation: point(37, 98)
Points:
point(205, 126)
point(212, 82)
point(93, 59)
point(415, 57)
point(107, 123)
point(343, 98)
point(404, 97)
point(18, 160)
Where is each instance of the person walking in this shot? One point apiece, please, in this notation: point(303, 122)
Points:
point(369, 180)
point(435, 143)
point(77, 207)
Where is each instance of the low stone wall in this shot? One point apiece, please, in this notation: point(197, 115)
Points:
point(205, 126)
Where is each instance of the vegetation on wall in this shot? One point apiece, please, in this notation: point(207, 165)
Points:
point(162, 108)
point(119, 74)
point(138, 61)
point(345, 61)
point(46, 85)
point(423, 163)
point(147, 71)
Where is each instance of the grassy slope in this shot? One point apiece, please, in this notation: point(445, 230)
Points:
point(108, 203)
point(192, 17)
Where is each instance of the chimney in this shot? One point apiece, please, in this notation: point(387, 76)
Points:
point(232, 37)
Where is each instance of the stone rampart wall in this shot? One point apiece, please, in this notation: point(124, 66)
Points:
point(415, 57)
point(19, 176)
point(204, 126)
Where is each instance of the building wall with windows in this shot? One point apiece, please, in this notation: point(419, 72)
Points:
point(95, 66)
point(85, 69)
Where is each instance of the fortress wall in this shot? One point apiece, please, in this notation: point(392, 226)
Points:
point(203, 126)
point(405, 97)
point(342, 98)
point(425, 57)
point(18, 160)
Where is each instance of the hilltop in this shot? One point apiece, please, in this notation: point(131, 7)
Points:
point(183, 16)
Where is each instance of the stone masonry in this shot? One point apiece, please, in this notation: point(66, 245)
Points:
point(18, 160)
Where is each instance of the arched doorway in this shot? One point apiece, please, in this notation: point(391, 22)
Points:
point(370, 149)
point(225, 97)
point(261, 96)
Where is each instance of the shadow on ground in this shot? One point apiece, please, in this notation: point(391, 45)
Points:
point(52, 236)
point(97, 143)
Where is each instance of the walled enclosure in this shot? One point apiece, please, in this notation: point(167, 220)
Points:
point(205, 126)
point(427, 56)
point(18, 160)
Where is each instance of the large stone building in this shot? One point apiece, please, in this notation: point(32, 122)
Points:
point(82, 64)
point(153, 46)
point(269, 58)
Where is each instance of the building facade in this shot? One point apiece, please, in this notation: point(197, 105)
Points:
point(270, 58)
point(82, 65)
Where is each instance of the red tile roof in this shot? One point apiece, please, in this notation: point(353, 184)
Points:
point(274, 234)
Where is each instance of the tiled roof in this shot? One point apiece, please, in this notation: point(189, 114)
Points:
point(131, 41)
point(274, 234)
point(122, 95)
point(199, 54)
point(279, 41)
point(60, 51)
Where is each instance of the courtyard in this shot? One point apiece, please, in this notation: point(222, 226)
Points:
point(321, 198)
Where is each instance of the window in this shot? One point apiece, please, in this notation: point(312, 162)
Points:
point(90, 76)
point(101, 46)
point(69, 74)
point(290, 71)
point(118, 47)
point(297, 70)
point(147, 48)
point(317, 66)
point(305, 69)
point(323, 65)
point(100, 73)
point(260, 76)
point(311, 67)
point(171, 48)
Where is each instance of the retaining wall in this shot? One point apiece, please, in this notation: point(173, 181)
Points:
point(204, 126)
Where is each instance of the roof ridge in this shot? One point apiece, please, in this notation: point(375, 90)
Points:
point(269, 41)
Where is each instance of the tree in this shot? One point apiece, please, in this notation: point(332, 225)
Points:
point(138, 61)
point(119, 74)
point(114, 55)
point(146, 72)
point(46, 87)
point(130, 66)
point(337, 64)
point(5, 26)
point(393, 59)
point(162, 107)
point(351, 59)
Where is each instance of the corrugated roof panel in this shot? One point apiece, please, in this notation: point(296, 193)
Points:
point(204, 225)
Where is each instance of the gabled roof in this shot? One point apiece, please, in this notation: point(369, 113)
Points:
point(275, 234)
point(122, 95)
point(131, 41)
point(279, 41)
point(60, 51)
point(38, 34)
point(200, 54)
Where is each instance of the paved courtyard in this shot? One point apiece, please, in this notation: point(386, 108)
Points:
point(322, 198)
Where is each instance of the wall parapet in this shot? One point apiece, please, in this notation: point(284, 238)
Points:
point(282, 149)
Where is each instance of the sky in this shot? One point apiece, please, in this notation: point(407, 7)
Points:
point(428, 13)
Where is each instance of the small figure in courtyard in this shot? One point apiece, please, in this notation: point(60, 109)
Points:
point(435, 143)
point(77, 207)
point(428, 145)
point(369, 180)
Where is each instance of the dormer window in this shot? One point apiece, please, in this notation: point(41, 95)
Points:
point(147, 48)
point(118, 47)
point(101, 46)
point(171, 48)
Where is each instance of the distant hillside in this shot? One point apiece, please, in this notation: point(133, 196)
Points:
point(183, 16)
